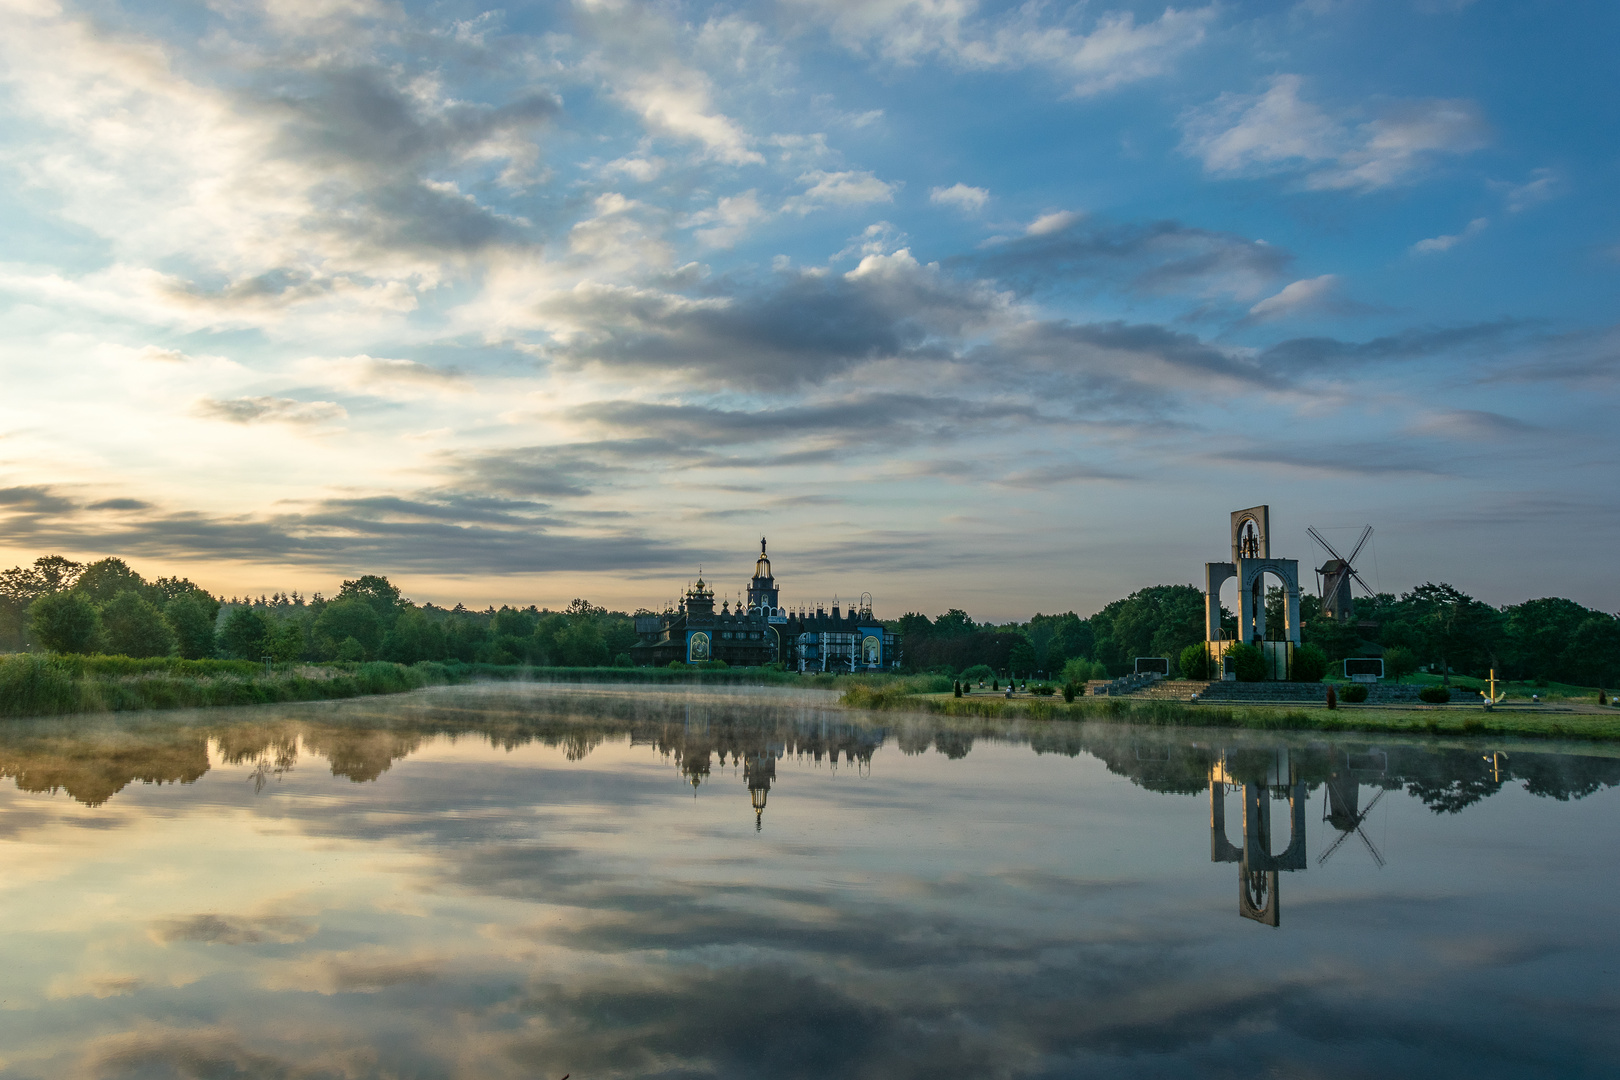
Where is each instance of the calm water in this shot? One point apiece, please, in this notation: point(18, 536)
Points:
point(499, 882)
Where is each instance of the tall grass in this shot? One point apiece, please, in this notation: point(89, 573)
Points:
point(33, 684)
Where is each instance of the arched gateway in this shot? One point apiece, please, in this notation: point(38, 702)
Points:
point(1251, 564)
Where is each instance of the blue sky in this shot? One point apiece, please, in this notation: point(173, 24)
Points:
point(992, 306)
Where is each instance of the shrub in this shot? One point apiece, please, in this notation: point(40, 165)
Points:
point(1195, 661)
point(1069, 690)
point(1353, 693)
point(978, 673)
point(1043, 690)
point(1082, 671)
point(1248, 662)
point(1434, 695)
point(1310, 664)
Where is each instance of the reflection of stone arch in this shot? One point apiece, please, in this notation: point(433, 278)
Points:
point(1257, 866)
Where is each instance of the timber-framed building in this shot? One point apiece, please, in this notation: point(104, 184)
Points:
point(762, 631)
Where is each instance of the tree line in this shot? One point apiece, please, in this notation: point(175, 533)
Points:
point(1435, 627)
point(58, 605)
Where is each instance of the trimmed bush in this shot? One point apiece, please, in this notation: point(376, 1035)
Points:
point(1248, 662)
point(1310, 664)
point(1355, 692)
point(1195, 661)
point(1069, 690)
point(1434, 695)
point(1043, 690)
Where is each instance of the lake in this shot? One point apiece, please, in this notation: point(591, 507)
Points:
point(527, 881)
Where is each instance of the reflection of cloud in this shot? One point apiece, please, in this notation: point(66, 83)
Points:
point(215, 929)
point(361, 971)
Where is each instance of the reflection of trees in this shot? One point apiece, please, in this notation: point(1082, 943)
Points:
point(95, 768)
point(702, 733)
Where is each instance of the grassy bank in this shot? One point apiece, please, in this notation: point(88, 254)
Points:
point(1440, 720)
point(32, 684)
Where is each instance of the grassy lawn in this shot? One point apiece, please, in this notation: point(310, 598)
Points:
point(1569, 720)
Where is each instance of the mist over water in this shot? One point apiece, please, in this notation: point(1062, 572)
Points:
point(527, 881)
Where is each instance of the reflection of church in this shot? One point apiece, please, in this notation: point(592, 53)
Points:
point(707, 740)
point(761, 631)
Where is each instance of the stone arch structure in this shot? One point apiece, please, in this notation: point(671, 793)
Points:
point(1251, 562)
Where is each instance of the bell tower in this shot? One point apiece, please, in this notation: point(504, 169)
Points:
point(762, 591)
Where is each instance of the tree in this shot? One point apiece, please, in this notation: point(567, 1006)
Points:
point(354, 617)
point(1021, 657)
point(379, 593)
point(413, 638)
point(245, 634)
point(285, 641)
point(953, 623)
point(1157, 621)
point(1399, 662)
point(581, 644)
point(1459, 629)
point(65, 622)
point(191, 617)
point(133, 626)
point(102, 581)
point(1194, 661)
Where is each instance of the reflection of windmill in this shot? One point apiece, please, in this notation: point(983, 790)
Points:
point(1343, 792)
point(1334, 577)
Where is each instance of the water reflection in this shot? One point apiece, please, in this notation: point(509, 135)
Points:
point(515, 883)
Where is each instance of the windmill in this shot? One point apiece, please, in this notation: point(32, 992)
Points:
point(1334, 577)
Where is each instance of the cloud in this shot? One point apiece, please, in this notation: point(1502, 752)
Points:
point(1117, 49)
point(961, 197)
point(1544, 184)
point(1296, 297)
point(1474, 425)
point(1424, 343)
point(214, 929)
point(252, 410)
point(724, 224)
point(803, 328)
point(1436, 244)
point(1278, 131)
point(850, 188)
point(1163, 257)
point(167, 356)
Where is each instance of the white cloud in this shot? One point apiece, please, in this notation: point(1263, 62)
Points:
point(1117, 50)
point(642, 169)
point(1278, 131)
point(960, 196)
point(1543, 184)
point(1436, 244)
point(162, 355)
point(850, 188)
point(1294, 298)
point(724, 224)
point(677, 102)
point(1056, 221)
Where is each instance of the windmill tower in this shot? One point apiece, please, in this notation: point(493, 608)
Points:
point(1335, 575)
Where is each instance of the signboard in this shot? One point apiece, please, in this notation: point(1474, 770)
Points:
point(1365, 669)
point(1160, 664)
point(697, 647)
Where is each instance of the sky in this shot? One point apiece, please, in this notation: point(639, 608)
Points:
point(999, 307)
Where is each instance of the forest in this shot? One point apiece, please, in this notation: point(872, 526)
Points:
point(58, 605)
